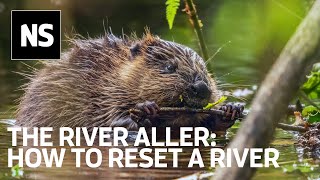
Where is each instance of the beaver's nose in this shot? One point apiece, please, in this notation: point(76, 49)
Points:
point(200, 89)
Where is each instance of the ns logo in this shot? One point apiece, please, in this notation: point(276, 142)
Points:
point(35, 34)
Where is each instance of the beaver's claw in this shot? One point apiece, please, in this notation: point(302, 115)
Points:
point(148, 108)
point(232, 111)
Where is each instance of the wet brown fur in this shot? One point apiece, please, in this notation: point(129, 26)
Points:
point(98, 80)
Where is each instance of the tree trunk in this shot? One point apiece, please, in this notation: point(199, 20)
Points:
point(279, 87)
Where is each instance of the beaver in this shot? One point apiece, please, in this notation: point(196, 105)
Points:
point(98, 80)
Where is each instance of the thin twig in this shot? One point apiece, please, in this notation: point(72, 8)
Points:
point(292, 127)
point(291, 109)
point(192, 12)
point(222, 113)
point(186, 110)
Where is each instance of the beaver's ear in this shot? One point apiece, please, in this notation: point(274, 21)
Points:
point(112, 41)
point(150, 40)
point(135, 50)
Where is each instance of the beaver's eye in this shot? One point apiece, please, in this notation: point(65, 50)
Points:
point(169, 68)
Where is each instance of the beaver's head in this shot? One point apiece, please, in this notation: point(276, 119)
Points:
point(169, 74)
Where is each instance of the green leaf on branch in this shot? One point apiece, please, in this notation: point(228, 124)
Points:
point(171, 11)
point(312, 86)
point(311, 113)
point(211, 105)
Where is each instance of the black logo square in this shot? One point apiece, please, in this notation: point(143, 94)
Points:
point(35, 34)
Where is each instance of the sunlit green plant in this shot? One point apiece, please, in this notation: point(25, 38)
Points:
point(219, 101)
point(17, 172)
point(312, 86)
point(311, 113)
point(171, 11)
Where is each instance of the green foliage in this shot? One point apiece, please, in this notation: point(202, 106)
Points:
point(211, 105)
point(17, 171)
point(312, 89)
point(171, 11)
point(312, 86)
point(311, 113)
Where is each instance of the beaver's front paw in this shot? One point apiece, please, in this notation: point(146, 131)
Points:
point(142, 110)
point(232, 111)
